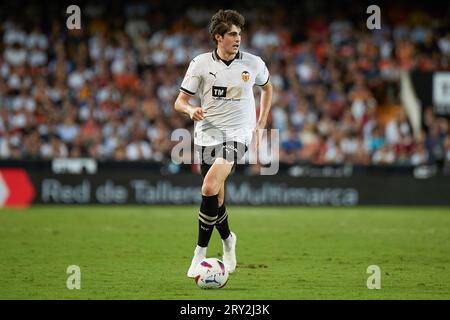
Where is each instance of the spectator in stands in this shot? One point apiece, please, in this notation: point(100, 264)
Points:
point(447, 155)
point(291, 147)
point(384, 155)
point(106, 91)
point(68, 130)
point(139, 148)
point(376, 140)
point(434, 144)
point(420, 155)
point(310, 141)
point(397, 128)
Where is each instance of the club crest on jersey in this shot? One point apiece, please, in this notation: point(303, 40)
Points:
point(245, 76)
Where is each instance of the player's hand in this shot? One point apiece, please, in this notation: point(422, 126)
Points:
point(197, 114)
point(259, 129)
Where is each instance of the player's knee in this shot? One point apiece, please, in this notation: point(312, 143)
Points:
point(210, 188)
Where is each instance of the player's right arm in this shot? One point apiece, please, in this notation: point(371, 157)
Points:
point(189, 86)
point(182, 105)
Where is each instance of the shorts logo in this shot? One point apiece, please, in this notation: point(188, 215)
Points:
point(231, 148)
point(245, 76)
point(219, 92)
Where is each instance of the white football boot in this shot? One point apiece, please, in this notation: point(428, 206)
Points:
point(199, 255)
point(229, 252)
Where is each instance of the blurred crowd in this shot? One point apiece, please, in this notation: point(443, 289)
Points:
point(107, 90)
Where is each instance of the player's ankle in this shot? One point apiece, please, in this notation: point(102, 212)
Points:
point(228, 242)
point(200, 251)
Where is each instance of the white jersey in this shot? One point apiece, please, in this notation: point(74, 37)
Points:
point(226, 93)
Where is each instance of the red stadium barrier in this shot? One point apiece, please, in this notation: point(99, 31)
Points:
point(16, 189)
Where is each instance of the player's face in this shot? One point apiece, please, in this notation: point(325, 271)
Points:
point(231, 40)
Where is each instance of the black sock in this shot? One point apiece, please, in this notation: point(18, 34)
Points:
point(207, 219)
point(222, 222)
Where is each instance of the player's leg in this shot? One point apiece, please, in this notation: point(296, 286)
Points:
point(221, 196)
point(213, 182)
point(222, 215)
point(209, 207)
point(229, 238)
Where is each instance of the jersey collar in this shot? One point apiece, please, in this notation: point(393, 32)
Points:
point(217, 58)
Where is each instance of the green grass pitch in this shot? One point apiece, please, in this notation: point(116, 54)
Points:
point(128, 252)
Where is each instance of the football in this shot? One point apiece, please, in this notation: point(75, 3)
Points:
point(211, 274)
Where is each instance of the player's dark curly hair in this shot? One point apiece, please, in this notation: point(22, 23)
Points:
point(222, 21)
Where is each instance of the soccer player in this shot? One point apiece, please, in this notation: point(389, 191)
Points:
point(225, 122)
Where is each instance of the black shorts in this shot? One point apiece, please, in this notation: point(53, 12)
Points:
point(230, 150)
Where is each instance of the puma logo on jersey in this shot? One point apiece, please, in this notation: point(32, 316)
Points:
point(213, 74)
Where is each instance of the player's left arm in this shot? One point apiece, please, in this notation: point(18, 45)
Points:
point(264, 110)
point(265, 104)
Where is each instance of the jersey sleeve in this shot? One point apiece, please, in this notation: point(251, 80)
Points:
point(192, 79)
point(262, 76)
